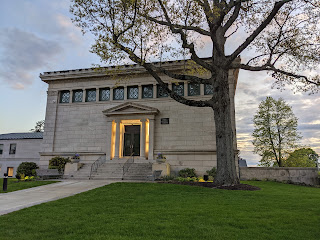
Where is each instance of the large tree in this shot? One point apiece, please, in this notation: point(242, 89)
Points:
point(145, 31)
point(275, 132)
point(303, 157)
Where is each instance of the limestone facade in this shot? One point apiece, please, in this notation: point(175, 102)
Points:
point(184, 134)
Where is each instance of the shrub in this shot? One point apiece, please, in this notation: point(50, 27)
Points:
point(58, 163)
point(212, 172)
point(187, 172)
point(27, 169)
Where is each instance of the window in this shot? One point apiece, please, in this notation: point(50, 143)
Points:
point(161, 92)
point(118, 93)
point(10, 171)
point(90, 95)
point(178, 88)
point(64, 96)
point(193, 89)
point(104, 94)
point(147, 91)
point(13, 148)
point(77, 96)
point(208, 89)
point(1, 148)
point(133, 92)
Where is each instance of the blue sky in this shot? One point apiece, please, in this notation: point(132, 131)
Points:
point(38, 36)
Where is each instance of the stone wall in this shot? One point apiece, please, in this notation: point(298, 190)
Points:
point(307, 176)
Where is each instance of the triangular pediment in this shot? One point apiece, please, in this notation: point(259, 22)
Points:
point(130, 108)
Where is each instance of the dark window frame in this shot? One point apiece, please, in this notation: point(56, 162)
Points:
point(128, 91)
point(205, 89)
point(1, 148)
point(158, 95)
point(174, 85)
point(114, 95)
point(189, 88)
point(73, 95)
point(100, 94)
point(145, 86)
point(87, 95)
point(11, 149)
point(61, 96)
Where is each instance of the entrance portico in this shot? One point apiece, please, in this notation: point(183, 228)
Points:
point(130, 131)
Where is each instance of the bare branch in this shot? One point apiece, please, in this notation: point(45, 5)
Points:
point(258, 30)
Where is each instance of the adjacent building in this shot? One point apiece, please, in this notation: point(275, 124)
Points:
point(16, 148)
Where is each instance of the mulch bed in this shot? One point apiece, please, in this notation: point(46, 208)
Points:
point(245, 187)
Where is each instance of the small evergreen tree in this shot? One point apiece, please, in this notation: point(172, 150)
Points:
point(275, 131)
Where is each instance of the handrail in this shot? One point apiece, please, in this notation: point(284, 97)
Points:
point(94, 167)
point(127, 165)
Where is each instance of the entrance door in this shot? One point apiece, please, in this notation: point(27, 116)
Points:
point(131, 140)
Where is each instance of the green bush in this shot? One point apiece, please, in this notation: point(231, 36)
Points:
point(212, 172)
point(27, 169)
point(187, 172)
point(58, 163)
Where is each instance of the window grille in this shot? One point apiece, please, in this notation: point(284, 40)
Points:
point(91, 95)
point(147, 91)
point(133, 92)
point(64, 96)
point(104, 94)
point(161, 92)
point(208, 89)
point(118, 94)
point(77, 95)
point(193, 89)
point(178, 88)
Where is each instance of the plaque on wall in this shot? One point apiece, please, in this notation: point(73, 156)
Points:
point(164, 120)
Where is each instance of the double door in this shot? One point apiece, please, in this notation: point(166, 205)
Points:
point(131, 140)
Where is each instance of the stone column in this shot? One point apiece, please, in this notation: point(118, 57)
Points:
point(71, 96)
point(201, 89)
point(143, 139)
point(111, 94)
point(151, 139)
point(84, 94)
point(155, 90)
point(97, 94)
point(185, 88)
point(109, 139)
point(125, 93)
point(117, 140)
point(140, 92)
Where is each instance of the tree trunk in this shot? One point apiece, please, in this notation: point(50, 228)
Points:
point(226, 166)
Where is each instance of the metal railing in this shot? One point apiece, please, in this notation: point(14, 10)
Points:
point(94, 167)
point(127, 165)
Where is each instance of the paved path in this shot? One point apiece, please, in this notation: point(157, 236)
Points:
point(13, 201)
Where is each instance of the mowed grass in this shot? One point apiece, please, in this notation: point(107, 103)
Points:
point(167, 211)
point(14, 185)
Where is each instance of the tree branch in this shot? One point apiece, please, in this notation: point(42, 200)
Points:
point(259, 29)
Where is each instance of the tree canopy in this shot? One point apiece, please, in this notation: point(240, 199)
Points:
point(275, 131)
point(303, 157)
point(39, 127)
point(283, 34)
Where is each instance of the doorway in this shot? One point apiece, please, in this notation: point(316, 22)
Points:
point(131, 140)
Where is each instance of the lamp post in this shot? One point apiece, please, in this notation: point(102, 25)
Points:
point(5, 182)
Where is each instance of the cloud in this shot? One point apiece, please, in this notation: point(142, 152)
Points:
point(23, 53)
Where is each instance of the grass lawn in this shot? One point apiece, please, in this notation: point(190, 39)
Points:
point(14, 185)
point(165, 211)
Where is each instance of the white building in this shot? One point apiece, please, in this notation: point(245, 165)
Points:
point(16, 148)
point(97, 115)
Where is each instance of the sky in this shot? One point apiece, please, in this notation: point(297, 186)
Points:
point(38, 36)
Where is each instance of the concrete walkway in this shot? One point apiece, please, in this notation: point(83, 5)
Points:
point(13, 201)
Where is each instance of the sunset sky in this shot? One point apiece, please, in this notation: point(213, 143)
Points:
point(38, 36)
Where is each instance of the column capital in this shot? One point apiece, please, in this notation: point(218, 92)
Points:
point(143, 120)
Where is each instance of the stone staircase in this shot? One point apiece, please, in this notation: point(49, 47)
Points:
point(82, 173)
point(111, 170)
